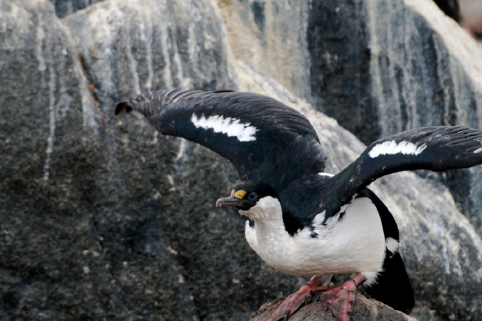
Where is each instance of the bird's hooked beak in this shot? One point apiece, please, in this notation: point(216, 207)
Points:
point(230, 201)
point(235, 200)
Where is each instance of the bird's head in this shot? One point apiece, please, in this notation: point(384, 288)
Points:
point(253, 199)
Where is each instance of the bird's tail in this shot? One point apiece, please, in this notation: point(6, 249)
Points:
point(393, 285)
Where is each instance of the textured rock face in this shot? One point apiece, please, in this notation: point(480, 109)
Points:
point(66, 7)
point(271, 36)
point(364, 309)
point(101, 218)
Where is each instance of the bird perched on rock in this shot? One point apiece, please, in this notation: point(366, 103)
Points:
point(303, 221)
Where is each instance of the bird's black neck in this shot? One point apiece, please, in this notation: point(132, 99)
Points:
point(300, 201)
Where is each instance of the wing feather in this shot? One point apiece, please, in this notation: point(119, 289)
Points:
point(436, 148)
point(264, 139)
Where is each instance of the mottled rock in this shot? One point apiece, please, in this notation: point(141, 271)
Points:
point(126, 49)
point(364, 309)
point(271, 36)
point(66, 7)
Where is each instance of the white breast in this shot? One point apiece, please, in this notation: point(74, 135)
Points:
point(353, 244)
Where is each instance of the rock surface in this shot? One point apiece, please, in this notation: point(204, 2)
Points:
point(66, 7)
point(102, 218)
point(364, 309)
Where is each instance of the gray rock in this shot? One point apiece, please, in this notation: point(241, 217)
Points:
point(364, 309)
point(271, 36)
point(102, 218)
point(66, 7)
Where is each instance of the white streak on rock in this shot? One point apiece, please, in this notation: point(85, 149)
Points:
point(182, 148)
point(39, 40)
point(88, 110)
point(52, 120)
point(178, 65)
point(132, 61)
point(229, 126)
point(154, 138)
point(392, 147)
point(146, 37)
point(166, 72)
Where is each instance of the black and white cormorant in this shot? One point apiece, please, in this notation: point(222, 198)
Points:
point(307, 222)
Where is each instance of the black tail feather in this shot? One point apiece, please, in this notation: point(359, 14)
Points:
point(393, 285)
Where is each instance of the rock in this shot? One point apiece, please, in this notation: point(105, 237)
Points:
point(102, 218)
point(271, 36)
point(364, 309)
point(66, 7)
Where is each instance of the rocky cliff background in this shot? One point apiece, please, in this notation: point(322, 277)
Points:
point(101, 218)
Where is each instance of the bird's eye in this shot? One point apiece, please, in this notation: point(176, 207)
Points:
point(252, 196)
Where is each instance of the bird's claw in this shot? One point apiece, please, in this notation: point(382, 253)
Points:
point(340, 301)
point(293, 302)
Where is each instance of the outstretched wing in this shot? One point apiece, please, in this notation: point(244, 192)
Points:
point(264, 139)
point(433, 148)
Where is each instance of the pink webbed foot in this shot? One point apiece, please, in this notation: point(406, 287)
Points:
point(296, 300)
point(340, 300)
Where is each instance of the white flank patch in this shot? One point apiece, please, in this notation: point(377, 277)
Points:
point(391, 244)
point(391, 147)
point(317, 222)
point(229, 126)
point(319, 218)
point(478, 150)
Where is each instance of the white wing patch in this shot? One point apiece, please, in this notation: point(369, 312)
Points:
point(391, 244)
point(478, 150)
point(229, 126)
point(325, 174)
point(391, 147)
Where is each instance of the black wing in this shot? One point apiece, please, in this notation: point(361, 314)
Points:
point(264, 139)
point(433, 148)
